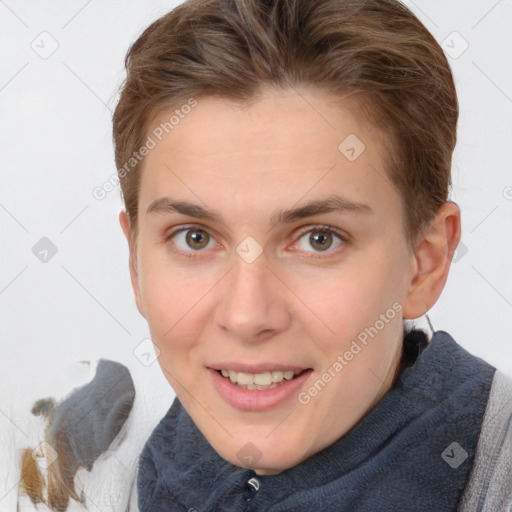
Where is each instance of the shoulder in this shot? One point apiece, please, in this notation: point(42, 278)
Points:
point(489, 488)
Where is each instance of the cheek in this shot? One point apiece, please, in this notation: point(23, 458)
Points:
point(348, 300)
point(173, 300)
point(348, 297)
point(164, 294)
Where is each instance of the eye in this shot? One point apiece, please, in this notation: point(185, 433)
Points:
point(321, 238)
point(192, 237)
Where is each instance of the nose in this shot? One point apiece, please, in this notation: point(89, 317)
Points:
point(252, 305)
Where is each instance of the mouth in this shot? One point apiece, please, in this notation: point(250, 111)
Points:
point(266, 389)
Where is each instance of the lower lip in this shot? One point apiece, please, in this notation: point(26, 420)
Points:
point(253, 399)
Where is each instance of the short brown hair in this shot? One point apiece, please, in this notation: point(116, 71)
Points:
point(375, 49)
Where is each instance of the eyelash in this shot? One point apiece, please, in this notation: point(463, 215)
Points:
point(320, 227)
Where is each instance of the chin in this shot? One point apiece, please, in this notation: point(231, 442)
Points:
point(262, 455)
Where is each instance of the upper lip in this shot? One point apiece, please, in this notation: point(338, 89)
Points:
point(256, 368)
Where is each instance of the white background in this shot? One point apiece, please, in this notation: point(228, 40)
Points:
point(56, 147)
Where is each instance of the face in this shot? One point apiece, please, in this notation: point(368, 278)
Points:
point(271, 252)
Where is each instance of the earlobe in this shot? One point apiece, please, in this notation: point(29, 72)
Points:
point(124, 220)
point(432, 259)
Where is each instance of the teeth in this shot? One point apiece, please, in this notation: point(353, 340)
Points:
point(277, 376)
point(265, 380)
point(244, 378)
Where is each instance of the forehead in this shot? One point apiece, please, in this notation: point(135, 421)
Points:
point(285, 146)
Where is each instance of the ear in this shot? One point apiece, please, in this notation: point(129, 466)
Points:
point(433, 253)
point(124, 220)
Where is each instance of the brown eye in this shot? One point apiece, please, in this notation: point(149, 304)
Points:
point(197, 238)
point(320, 239)
point(191, 239)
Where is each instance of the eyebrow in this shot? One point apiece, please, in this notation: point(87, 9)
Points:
point(333, 203)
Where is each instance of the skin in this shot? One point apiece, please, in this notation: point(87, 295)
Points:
point(298, 303)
